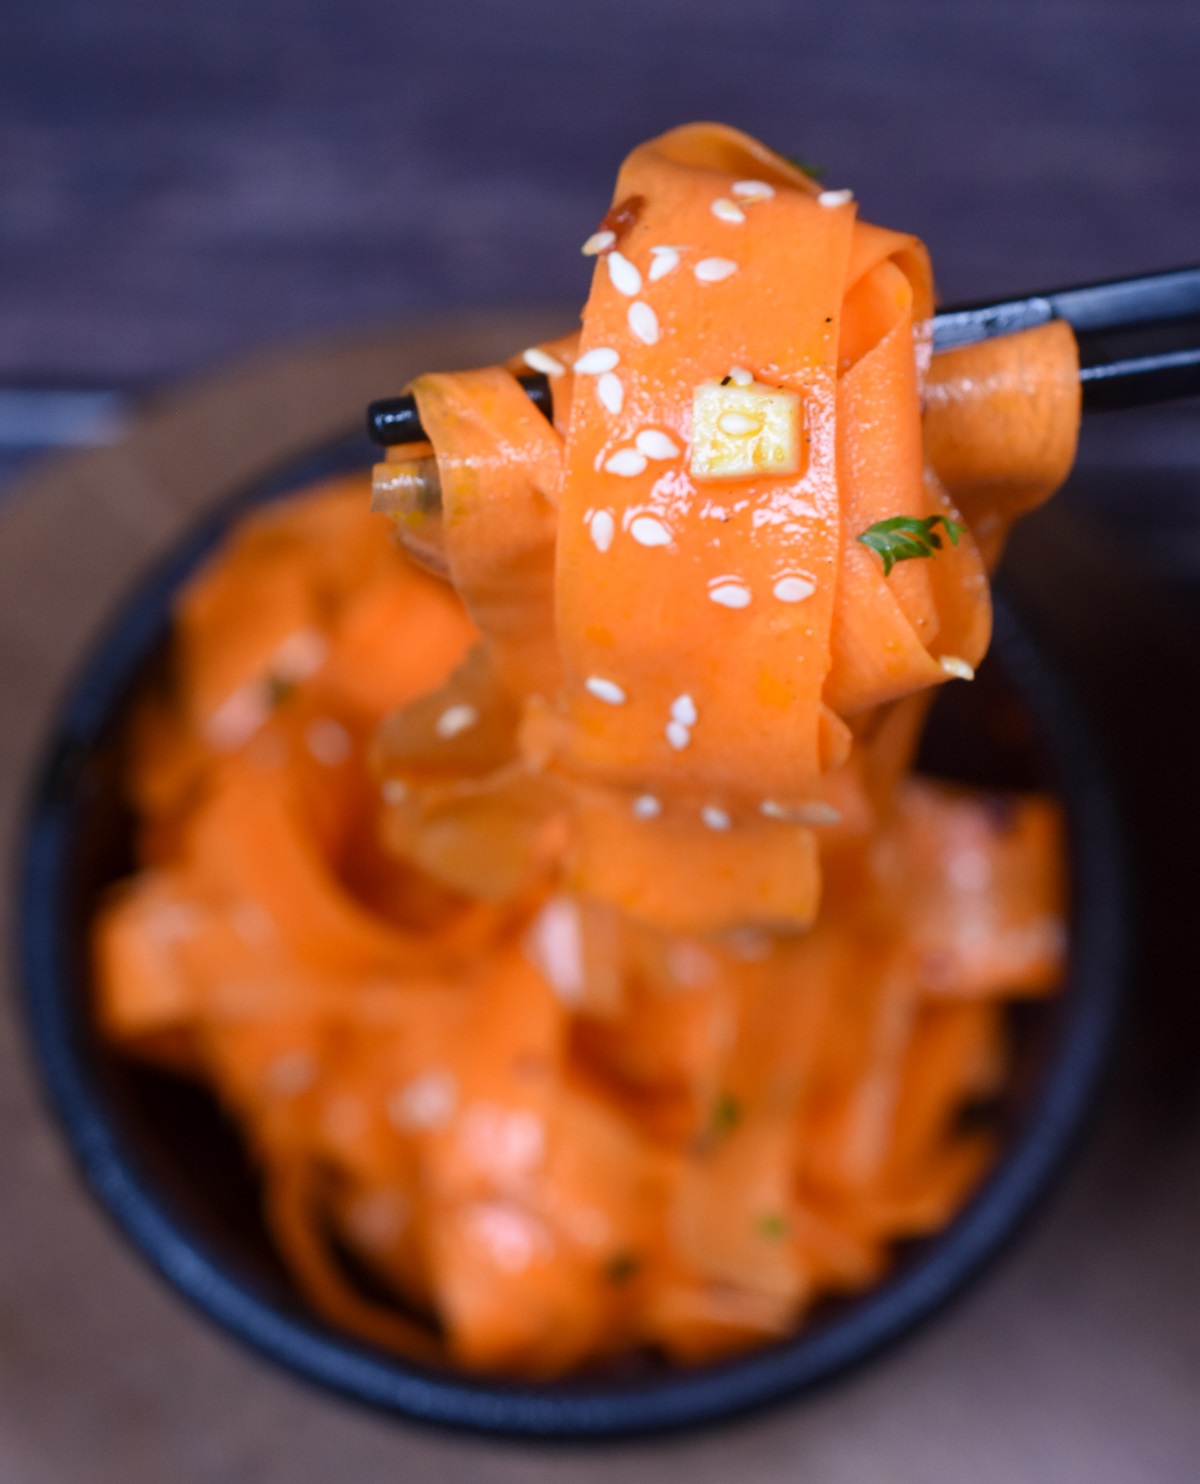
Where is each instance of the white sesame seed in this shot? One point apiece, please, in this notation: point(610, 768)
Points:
point(428, 1101)
point(678, 735)
point(834, 198)
point(643, 322)
point(394, 790)
point(646, 806)
point(238, 717)
point(740, 376)
point(663, 260)
point(555, 943)
point(714, 818)
point(328, 741)
point(713, 270)
point(611, 392)
point(300, 655)
point(597, 243)
point(607, 691)
point(738, 424)
point(543, 361)
point(602, 528)
point(727, 211)
point(817, 813)
point(956, 667)
point(794, 589)
point(730, 594)
point(753, 190)
point(596, 361)
point(455, 719)
point(625, 277)
point(377, 1218)
point(646, 530)
point(626, 462)
point(683, 710)
point(292, 1073)
point(656, 445)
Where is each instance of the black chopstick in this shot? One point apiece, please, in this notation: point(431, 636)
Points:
point(1099, 313)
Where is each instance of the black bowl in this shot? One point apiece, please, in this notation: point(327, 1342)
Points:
point(170, 1169)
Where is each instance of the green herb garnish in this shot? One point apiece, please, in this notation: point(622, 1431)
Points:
point(726, 1115)
point(621, 1267)
point(772, 1226)
point(808, 166)
point(906, 536)
point(279, 690)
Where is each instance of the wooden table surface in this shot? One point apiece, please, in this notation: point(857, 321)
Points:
point(1077, 1359)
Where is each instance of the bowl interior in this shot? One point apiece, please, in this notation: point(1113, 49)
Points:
point(157, 1146)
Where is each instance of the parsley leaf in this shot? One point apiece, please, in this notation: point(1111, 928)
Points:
point(904, 537)
point(621, 1267)
point(279, 690)
point(726, 1115)
point(808, 166)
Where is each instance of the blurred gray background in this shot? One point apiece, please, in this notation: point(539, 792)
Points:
point(179, 183)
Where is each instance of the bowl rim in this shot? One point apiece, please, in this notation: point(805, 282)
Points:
point(569, 1410)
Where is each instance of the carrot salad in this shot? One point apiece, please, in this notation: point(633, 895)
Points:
point(567, 932)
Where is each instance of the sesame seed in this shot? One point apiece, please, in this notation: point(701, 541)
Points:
point(328, 741)
point(643, 322)
point(543, 361)
point(835, 198)
point(678, 735)
point(300, 655)
point(713, 270)
point(815, 812)
point(683, 710)
point(646, 806)
point(714, 818)
point(597, 243)
point(555, 945)
point(596, 361)
point(656, 445)
point(740, 376)
point(602, 528)
point(753, 190)
point(663, 260)
point(628, 463)
point(818, 813)
point(394, 790)
point(607, 691)
point(292, 1073)
point(611, 392)
point(738, 424)
point(455, 719)
point(646, 530)
point(625, 277)
point(727, 211)
point(237, 718)
point(730, 594)
point(794, 589)
point(956, 667)
point(427, 1102)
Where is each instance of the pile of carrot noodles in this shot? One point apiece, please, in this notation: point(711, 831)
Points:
point(568, 935)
